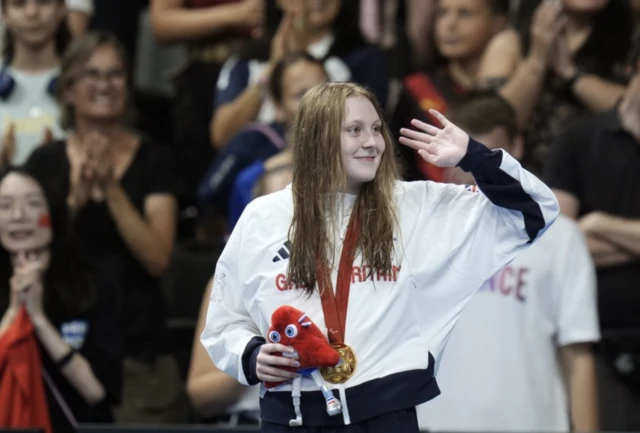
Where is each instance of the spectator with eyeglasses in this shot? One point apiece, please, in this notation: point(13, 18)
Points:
point(119, 190)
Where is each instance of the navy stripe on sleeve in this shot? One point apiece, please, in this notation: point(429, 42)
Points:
point(502, 189)
point(249, 359)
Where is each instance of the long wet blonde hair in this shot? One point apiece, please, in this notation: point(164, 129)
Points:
point(318, 179)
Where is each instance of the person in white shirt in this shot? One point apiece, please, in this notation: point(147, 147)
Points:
point(35, 37)
point(520, 357)
point(404, 258)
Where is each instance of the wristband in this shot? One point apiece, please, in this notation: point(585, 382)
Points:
point(65, 359)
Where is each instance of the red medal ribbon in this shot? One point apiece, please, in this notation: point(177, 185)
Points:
point(334, 307)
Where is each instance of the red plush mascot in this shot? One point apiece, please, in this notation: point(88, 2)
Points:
point(292, 327)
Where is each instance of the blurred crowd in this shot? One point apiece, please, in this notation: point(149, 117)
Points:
point(133, 134)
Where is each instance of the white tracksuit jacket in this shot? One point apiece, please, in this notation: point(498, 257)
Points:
point(450, 240)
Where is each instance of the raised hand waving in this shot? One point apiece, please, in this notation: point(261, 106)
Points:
point(442, 147)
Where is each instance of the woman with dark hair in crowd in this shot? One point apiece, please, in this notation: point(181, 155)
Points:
point(120, 192)
point(326, 30)
point(35, 37)
point(73, 309)
point(566, 59)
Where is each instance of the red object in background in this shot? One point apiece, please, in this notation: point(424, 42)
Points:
point(295, 329)
point(24, 403)
point(44, 220)
point(428, 97)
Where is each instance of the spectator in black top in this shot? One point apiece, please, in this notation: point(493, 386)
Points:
point(120, 192)
point(74, 310)
point(565, 59)
point(594, 170)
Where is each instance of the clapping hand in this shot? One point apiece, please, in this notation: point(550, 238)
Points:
point(546, 27)
point(8, 146)
point(91, 169)
point(100, 161)
point(562, 60)
point(252, 13)
point(26, 283)
point(81, 183)
point(441, 147)
point(292, 35)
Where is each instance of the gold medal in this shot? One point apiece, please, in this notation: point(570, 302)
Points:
point(345, 368)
